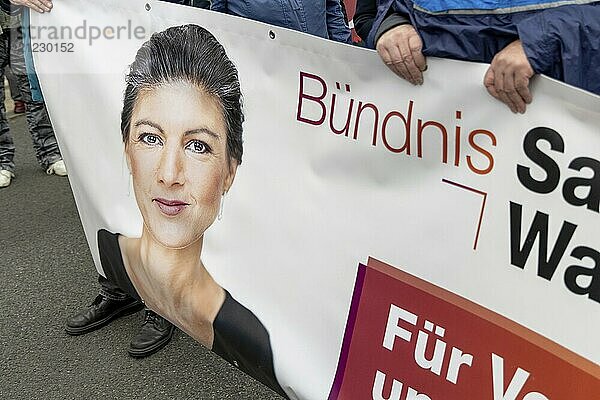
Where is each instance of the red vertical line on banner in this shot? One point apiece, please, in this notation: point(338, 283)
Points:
point(484, 194)
point(345, 351)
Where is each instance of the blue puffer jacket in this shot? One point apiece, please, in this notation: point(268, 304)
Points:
point(322, 18)
point(561, 38)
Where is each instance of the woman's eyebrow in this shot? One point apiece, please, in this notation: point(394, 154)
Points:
point(149, 123)
point(202, 130)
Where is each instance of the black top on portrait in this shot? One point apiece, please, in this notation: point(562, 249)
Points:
point(239, 336)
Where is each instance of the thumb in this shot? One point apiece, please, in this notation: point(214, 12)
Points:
point(488, 81)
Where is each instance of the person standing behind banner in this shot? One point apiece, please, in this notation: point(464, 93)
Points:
point(183, 160)
point(555, 38)
point(40, 128)
point(322, 18)
point(113, 301)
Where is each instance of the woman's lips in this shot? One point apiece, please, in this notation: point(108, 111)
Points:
point(170, 207)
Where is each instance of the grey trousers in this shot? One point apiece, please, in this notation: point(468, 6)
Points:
point(38, 122)
point(15, 92)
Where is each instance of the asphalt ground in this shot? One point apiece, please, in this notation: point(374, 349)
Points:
point(47, 274)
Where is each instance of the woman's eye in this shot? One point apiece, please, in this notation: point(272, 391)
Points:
point(198, 146)
point(150, 139)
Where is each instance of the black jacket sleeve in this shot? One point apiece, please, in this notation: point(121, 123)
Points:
point(193, 3)
point(9, 8)
point(366, 12)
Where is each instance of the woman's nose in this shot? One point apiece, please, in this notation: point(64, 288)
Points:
point(170, 169)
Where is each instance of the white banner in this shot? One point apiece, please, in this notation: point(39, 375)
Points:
point(343, 161)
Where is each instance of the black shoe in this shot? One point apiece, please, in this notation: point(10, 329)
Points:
point(100, 313)
point(155, 333)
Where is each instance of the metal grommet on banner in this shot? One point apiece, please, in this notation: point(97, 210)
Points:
point(148, 7)
point(272, 34)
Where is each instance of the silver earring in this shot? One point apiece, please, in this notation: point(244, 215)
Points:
point(220, 215)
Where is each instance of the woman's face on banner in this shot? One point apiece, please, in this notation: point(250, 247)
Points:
point(177, 155)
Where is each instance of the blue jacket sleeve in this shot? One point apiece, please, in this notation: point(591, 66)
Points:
point(336, 24)
point(564, 42)
point(219, 5)
point(380, 25)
